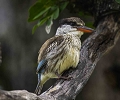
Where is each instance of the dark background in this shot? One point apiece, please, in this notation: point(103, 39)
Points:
point(20, 50)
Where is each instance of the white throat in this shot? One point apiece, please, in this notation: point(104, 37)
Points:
point(67, 29)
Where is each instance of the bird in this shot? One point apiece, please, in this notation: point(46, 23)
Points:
point(60, 52)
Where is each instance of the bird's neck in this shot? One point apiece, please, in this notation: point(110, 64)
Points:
point(67, 29)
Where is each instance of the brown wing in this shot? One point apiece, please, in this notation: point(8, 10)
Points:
point(50, 45)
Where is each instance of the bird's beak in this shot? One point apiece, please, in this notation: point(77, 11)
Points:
point(85, 29)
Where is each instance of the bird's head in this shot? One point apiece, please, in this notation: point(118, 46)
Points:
point(73, 25)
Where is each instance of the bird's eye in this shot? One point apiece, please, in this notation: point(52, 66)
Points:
point(72, 23)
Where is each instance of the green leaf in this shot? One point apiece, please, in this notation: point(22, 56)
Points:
point(41, 22)
point(48, 27)
point(81, 13)
point(49, 21)
point(49, 24)
point(40, 0)
point(56, 13)
point(41, 13)
point(63, 5)
point(118, 1)
point(89, 24)
point(34, 29)
point(38, 9)
point(45, 11)
point(50, 14)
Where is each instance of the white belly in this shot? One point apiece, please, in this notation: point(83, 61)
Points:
point(70, 59)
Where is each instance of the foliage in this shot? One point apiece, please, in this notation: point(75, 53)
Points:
point(118, 1)
point(44, 11)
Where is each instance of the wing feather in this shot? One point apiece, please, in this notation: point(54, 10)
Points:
point(49, 46)
point(48, 49)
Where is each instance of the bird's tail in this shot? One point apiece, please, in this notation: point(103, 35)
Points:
point(38, 88)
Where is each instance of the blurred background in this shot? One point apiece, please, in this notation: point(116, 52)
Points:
point(20, 50)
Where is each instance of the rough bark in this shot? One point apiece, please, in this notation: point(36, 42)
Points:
point(100, 42)
point(17, 95)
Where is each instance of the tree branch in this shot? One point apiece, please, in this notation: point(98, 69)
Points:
point(18, 95)
point(107, 33)
point(105, 37)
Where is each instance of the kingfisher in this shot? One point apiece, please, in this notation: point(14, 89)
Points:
point(62, 51)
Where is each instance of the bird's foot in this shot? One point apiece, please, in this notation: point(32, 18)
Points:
point(64, 77)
